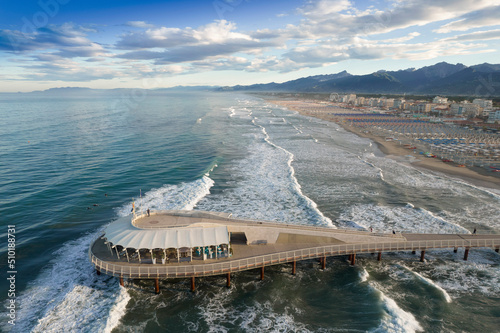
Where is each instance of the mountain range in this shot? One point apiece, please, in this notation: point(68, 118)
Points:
point(439, 79)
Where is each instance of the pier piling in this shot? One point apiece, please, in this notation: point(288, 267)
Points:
point(99, 272)
point(496, 250)
point(455, 250)
point(323, 263)
point(121, 281)
point(422, 256)
point(353, 259)
point(157, 286)
point(262, 273)
point(466, 254)
point(228, 280)
point(193, 286)
point(379, 258)
point(413, 252)
point(294, 267)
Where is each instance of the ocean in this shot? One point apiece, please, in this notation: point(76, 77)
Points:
point(69, 165)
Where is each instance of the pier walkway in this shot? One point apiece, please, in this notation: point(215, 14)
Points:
point(256, 244)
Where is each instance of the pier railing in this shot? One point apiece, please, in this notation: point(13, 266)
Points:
point(150, 271)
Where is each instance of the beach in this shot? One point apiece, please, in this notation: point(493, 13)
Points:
point(392, 149)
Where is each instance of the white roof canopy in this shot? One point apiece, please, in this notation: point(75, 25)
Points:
point(123, 233)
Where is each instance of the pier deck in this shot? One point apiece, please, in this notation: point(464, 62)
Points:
point(291, 243)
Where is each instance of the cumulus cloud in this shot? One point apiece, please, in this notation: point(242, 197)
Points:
point(185, 45)
point(139, 24)
point(217, 32)
point(70, 41)
point(322, 8)
point(406, 13)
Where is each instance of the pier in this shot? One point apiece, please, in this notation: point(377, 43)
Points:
point(190, 244)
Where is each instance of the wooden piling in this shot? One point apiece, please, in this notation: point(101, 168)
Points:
point(413, 252)
point(193, 286)
point(121, 281)
point(262, 273)
point(466, 254)
point(323, 263)
point(228, 280)
point(98, 272)
point(353, 260)
point(455, 250)
point(157, 286)
point(294, 267)
point(422, 256)
point(379, 258)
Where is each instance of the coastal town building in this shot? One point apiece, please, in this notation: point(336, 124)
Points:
point(466, 109)
point(494, 116)
point(486, 104)
point(440, 100)
point(399, 103)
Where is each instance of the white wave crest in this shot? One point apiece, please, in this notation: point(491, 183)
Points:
point(311, 205)
point(68, 296)
point(117, 311)
point(182, 196)
point(431, 283)
point(396, 319)
point(406, 218)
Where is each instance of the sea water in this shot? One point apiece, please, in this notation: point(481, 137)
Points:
point(69, 165)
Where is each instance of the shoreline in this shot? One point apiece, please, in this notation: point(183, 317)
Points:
point(475, 176)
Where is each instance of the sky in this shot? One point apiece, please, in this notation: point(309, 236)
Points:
point(154, 44)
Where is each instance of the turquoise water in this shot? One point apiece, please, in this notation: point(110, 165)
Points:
point(70, 165)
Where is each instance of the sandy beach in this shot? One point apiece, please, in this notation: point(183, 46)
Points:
point(476, 176)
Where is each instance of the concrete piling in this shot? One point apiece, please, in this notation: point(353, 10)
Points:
point(157, 286)
point(193, 286)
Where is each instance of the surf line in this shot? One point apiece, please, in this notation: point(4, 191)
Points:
point(309, 203)
point(380, 173)
point(430, 282)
